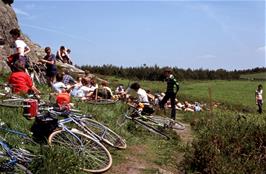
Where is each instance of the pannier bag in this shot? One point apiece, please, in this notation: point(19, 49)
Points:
point(43, 126)
point(30, 108)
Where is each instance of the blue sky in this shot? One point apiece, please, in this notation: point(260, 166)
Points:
point(183, 34)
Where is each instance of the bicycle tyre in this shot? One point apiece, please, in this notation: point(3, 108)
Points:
point(166, 121)
point(105, 134)
point(23, 168)
point(150, 127)
point(101, 101)
point(12, 103)
point(96, 158)
point(36, 77)
point(42, 78)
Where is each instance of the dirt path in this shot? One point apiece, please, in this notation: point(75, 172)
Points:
point(138, 159)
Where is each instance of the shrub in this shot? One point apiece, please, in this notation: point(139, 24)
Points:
point(228, 144)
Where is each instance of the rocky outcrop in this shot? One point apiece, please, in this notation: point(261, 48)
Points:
point(8, 21)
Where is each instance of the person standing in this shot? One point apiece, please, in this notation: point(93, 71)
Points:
point(50, 61)
point(20, 50)
point(258, 98)
point(171, 91)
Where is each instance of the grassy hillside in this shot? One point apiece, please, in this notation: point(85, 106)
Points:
point(148, 153)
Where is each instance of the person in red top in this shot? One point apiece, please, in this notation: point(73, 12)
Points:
point(22, 83)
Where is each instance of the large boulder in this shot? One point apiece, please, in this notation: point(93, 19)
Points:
point(8, 21)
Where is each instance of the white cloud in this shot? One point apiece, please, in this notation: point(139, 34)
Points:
point(57, 31)
point(20, 12)
point(261, 49)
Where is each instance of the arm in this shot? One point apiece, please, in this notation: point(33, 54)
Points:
point(27, 50)
point(177, 86)
point(59, 55)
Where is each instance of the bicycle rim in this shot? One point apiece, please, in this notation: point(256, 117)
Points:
point(22, 155)
point(36, 77)
point(101, 101)
point(94, 156)
point(166, 121)
point(150, 126)
point(104, 133)
point(4, 161)
point(21, 167)
point(13, 103)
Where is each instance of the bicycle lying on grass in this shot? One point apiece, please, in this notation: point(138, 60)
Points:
point(8, 99)
point(101, 101)
point(15, 159)
point(153, 123)
point(92, 155)
point(88, 126)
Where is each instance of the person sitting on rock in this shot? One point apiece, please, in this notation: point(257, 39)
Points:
point(61, 55)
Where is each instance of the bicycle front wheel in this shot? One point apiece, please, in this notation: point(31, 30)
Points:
point(94, 157)
point(104, 133)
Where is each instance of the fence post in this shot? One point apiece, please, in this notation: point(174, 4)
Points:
point(210, 98)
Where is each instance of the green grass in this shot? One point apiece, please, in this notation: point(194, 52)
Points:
point(158, 151)
point(235, 94)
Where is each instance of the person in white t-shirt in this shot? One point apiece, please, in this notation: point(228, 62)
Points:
point(21, 49)
point(59, 86)
point(258, 98)
point(142, 97)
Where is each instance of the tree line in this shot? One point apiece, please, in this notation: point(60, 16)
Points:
point(155, 73)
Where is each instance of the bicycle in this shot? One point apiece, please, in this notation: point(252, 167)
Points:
point(13, 159)
point(37, 73)
point(153, 123)
point(8, 99)
point(101, 101)
point(94, 156)
point(90, 127)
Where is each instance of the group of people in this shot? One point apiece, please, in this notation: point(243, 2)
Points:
point(86, 87)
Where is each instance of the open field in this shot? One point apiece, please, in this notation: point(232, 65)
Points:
point(238, 93)
point(257, 76)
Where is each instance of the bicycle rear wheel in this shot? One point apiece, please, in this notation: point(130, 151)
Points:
point(13, 103)
point(104, 133)
point(94, 157)
point(168, 122)
point(102, 101)
point(152, 127)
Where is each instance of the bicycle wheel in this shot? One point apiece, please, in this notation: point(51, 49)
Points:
point(10, 164)
point(22, 168)
point(36, 77)
point(167, 122)
point(104, 133)
point(22, 155)
point(13, 103)
point(94, 157)
point(102, 101)
point(152, 127)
